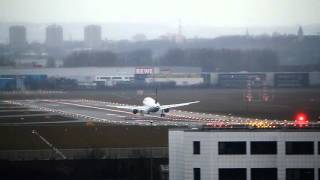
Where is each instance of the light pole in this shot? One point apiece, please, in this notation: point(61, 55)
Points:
point(49, 144)
point(151, 165)
point(151, 158)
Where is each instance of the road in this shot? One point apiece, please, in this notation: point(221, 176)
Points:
point(99, 111)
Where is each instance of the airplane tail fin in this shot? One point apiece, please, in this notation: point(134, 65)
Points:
point(156, 99)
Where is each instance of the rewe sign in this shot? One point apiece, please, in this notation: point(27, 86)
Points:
point(144, 70)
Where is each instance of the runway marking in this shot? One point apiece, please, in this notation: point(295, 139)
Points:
point(90, 118)
point(93, 107)
point(95, 118)
point(42, 122)
point(128, 115)
point(111, 114)
point(169, 117)
point(44, 114)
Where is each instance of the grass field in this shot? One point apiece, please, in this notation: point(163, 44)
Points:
point(81, 135)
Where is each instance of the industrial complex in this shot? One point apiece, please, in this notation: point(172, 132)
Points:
point(104, 77)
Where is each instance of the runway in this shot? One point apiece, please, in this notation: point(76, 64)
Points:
point(99, 111)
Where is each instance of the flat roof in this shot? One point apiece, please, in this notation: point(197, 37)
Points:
point(249, 129)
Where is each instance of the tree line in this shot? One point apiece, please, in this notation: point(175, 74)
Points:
point(211, 60)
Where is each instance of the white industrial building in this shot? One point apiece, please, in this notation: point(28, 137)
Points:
point(180, 79)
point(244, 154)
point(178, 75)
point(110, 75)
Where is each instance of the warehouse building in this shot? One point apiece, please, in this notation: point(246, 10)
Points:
point(291, 79)
point(244, 154)
point(22, 82)
point(260, 79)
point(235, 80)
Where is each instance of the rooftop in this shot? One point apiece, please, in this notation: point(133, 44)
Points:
point(246, 128)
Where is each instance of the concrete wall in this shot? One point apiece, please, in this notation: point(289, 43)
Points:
point(176, 155)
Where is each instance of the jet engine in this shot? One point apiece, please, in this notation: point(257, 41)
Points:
point(166, 110)
point(135, 111)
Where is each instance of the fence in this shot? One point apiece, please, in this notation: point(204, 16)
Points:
point(90, 153)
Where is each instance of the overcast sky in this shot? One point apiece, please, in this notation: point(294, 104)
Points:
point(191, 12)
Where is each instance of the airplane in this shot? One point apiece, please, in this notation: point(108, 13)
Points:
point(151, 105)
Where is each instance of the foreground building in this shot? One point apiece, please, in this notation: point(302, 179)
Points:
point(244, 154)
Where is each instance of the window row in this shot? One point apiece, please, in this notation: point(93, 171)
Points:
point(261, 147)
point(260, 174)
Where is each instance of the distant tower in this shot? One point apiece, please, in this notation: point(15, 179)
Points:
point(247, 32)
point(17, 36)
point(300, 34)
point(179, 38)
point(92, 36)
point(54, 36)
point(180, 28)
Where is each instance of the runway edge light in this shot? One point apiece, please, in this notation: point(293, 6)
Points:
point(301, 119)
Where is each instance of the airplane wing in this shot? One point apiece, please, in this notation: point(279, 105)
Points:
point(140, 108)
point(162, 107)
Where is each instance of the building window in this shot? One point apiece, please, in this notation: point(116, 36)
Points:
point(264, 147)
point(264, 174)
point(196, 147)
point(232, 147)
point(299, 147)
point(116, 77)
point(106, 78)
point(233, 174)
point(300, 174)
point(196, 174)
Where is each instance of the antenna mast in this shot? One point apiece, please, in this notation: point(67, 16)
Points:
point(156, 95)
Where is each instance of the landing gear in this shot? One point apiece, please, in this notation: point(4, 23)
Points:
point(162, 114)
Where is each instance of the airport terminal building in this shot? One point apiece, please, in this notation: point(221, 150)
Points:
point(244, 154)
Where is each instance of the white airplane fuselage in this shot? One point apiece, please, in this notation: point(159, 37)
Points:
point(151, 104)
